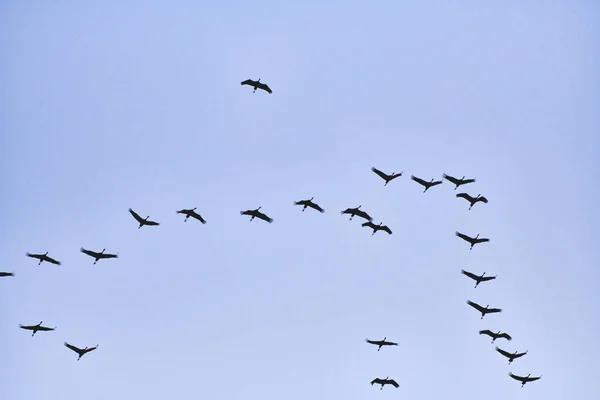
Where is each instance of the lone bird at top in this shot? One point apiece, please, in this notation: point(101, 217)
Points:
point(471, 240)
point(483, 310)
point(511, 356)
point(497, 335)
point(523, 379)
point(98, 256)
point(191, 213)
point(79, 351)
point(257, 85)
point(257, 214)
point(472, 200)
point(43, 257)
point(36, 328)
point(426, 184)
point(387, 178)
point(3, 274)
point(378, 227)
point(358, 213)
point(380, 343)
point(477, 278)
point(309, 203)
point(458, 182)
point(142, 221)
point(384, 382)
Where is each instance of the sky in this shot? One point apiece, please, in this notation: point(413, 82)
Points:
point(110, 105)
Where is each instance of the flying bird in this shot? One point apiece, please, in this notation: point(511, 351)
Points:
point(98, 256)
point(511, 356)
point(387, 178)
point(142, 221)
point(472, 200)
point(358, 213)
point(458, 182)
point(471, 240)
point(79, 351)
point(497, 335)
point(384, 382)
point(43, 257)
point(36, 328)
point(380, 343)
point(257, 85)
point(477, 278)
point(3, 274)
point(378, 227)
point(483, 310)
point(257, 214)
point(524, 379)
point(309, 203)
point(191, 213)
point(426, 184)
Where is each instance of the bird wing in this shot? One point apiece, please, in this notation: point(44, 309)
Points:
point(315, 206)
point(245, 212)
point(418, 180)
point(385, 228)
point(535, 378)
point(106, 255)
point(486, 278)
point(28, 327)
point(469, 274)
point(249, 82)
point(74, 348)
point(451, 178)
point(363, 215)
point(265, 87)
point(377, 380)
point(369, 224)
point(88, 252)
point(503, 352)
point(463, 236)
point(45, 328)
point(33, 255)
point(393, 383)
point(151, 223)
point(482, 199)
point(136, 216)
point(475, 306)
point(264, 217)
point(487, 332)
point(372, 341)
point(493, 310)
point(91, 349)
point(517, 377)
point(52, 260)
point(194, 214)
point(481, 240)
point(465, 181)
point(505, 335)
point(435, 183)
point(349, 211)
point(519, 354)
point(465, 196)
point(380, 173)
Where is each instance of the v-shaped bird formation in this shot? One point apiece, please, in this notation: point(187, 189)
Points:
point(351, 212)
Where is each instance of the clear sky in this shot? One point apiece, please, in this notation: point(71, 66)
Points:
point(111, 105)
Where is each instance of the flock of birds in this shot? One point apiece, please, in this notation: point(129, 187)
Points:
point(353, 212)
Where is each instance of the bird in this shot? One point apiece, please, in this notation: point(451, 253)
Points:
point(43, 257)
point(257, 214)
point(309, 203)
point(3, 274)
point(257, 85)
point(472, 200)
point(511, 356)
point(380, 343)
point(191, 213)
point(524, 379)
point(477, 278)
point(471, 240)
point(142, 221)
point(427, 185)
point(458, 182)
point(356, 212)
point(36, 328)
point(387, 178)
point(378, 227)
point(384, 382)
point(79, 351)
point(483, 310)
point(496, 335)
point(98, 256)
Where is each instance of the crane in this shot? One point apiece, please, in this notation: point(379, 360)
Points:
point(142, 221)
point(36, 328)
point(387, 178)
point(3, 274)
point(380, 343)
point(384, 382)
point(309, 203)
point(477, 278)
point(378, 227)
point(79, 351)
point(355, 212)
point(458, 182)
point(483, 310)
point(43, 257)
point(191, 213)
point(257, 85)
point(471, 240)
point(257, 214)
point(98, 256)
point(426, 184)
point(523, 379)
point(473, 200)
point(497, 335)
point(511, 356)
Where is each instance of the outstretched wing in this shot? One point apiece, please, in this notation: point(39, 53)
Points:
point(505, 336)
point(463, 236)
point(418, 180)
point(7, 274)
point(264, 217)
point(151, 223)
point(377, 380)
point(380, 173)
point(372, 341)
point(369, 224)
point(393, 383)
point(465, 181)
point(465, 196)
point(451, 178)
point(52, 260)
point(249, 82)
point(88, 252)
point(198, 217)
point(91, 349)
point(364, 215)
point(106, 255)
point(482, 199)
point(493, 310)
point(385, 228)
point(487, 332)
point(503, 352)
point(264, 87)
point(475, 306)
point(481, 240)
point(531, 379)
point(316, 207)
point(136, 216)
point(469, 274)
point(74, 348)
point(487, 278)
point(435, 183)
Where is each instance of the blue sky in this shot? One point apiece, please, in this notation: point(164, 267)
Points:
point(106, 106)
